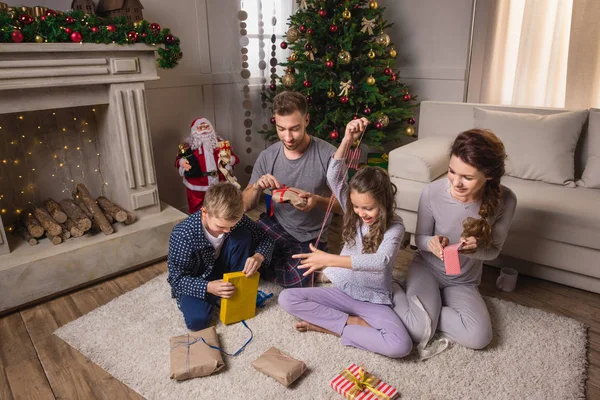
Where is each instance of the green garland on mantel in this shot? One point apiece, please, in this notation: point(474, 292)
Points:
point(78, 27)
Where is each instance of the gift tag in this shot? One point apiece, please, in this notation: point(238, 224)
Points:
point(451, 261)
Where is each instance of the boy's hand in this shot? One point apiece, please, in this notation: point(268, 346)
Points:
point(221, 289)
point(253, 263)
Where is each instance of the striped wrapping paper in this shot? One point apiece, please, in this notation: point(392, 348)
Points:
point(345, 387)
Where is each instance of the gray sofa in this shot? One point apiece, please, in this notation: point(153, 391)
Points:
point(555, 234)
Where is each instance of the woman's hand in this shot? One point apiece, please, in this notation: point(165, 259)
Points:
point(436, 246)
point(469, 244)
point(314, 261)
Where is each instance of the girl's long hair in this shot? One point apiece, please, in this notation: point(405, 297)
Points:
point(376, 182)
point(483, 150)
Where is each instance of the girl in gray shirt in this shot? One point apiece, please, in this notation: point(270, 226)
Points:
point(470, 207)
point(359, 306)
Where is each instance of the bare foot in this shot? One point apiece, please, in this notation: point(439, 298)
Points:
point(353, 320)
point(304, 326)
point(320, 277)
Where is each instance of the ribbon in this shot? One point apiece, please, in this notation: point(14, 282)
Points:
point(345, 87)
point(366, 381)
point(262, 297)
point(280, 192)
point(239, 350)
point(310, 54)
point(303, 5)
point(188, 344)
point(368, 25)
point(443, 344)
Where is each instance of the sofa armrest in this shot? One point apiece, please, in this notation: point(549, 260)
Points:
point(423, 160)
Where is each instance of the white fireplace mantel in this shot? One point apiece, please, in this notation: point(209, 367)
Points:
point(52, 76)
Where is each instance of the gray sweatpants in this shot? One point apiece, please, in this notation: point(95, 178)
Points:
point(456, 310)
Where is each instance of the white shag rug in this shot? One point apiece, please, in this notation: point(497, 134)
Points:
point(534, 354)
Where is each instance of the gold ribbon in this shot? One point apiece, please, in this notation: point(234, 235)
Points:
point(303, 5)
point(366, 381)
point(368, 25)
point(345, 87)
point(310, 54)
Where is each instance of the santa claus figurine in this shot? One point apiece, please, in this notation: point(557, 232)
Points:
point(199, 163)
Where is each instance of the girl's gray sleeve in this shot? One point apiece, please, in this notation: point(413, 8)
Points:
point(425, 222)
point(338, 182)
point(500, 229)
point(386, 253)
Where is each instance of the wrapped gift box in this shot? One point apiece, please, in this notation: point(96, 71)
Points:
point(378, 160)
point(192, 358)
point(355, 383)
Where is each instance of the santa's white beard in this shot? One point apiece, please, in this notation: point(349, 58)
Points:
point(197, 140)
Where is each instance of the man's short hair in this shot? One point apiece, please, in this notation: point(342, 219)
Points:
point(286, 103)
point(224, 201)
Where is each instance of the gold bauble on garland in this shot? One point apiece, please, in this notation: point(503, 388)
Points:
point(382, 39)
point(292, 35)
point(410, 131)
point(373, 5)
point(371, 54)
point(344, 57)
point(346, 14)
point(39, 39)
point(393, 53)
point(331, 94)
point(288, 80)
point(370, 80)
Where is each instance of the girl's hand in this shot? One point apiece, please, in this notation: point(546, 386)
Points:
point(469, 244)
point(436, 246)
point(314, 261)
point(355, 128)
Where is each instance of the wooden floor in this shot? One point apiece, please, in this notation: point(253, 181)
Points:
point(35, 364)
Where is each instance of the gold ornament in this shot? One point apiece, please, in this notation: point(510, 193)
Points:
point(292, 35)
point(393, 53)
point(346, 14)
point(371, 54)
point(344, 57)
point(373, 5)
point(370, 80)
point(39, 39)
point(382, 39)
point(293, 57)
point(137, 24)
point(410, 131)
point(288, 80)
point(331, 94)
point(356, 143)
point(384, 119)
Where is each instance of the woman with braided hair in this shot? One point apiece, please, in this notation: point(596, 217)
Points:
point(471, 207)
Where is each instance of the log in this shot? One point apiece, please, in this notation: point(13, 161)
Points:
point(54, 239)
point(55, 211)
point(95, 210)
point(95, 227)
point(49, 224)
point(74, 213)
point(21, 230)
point(33, 226)
point(130, 218)
point(111, 208)
point(65, 234)
point(72, 227)
point(109, 217)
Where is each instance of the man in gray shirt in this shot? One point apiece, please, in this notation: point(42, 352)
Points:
point(300, 161)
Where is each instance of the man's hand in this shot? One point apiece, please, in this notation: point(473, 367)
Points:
point(253, 263)
point(267, 181)
point(310, 201)
point(221, 289)
point(355, 128)
point(186, 165)
point(436, 246)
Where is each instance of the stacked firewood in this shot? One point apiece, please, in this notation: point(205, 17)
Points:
point(73, 217)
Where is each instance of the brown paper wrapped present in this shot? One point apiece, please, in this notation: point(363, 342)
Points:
point(279, 366)
point(192, 358)
point(288, 195)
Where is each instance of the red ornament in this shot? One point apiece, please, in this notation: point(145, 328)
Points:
point(169, 39)
point(323, 13)
point(334, 135)
point(155, 27)
point(17, 36)
point(273, 86)
point(309, 100)
point(333, 28)
point(329, 64)
point(76, 37)
point(95, 29)
point(378, 125)
point(406, 97)
point(69, 20)
point(111, 28)
point(344, 99)
point(393, 77)
point(25, 19)
point(411, 121)
point(68, 31)
point(144, 34)
point(308, 47)
point(302, 28)
point(43, 17)
point(132, 36)
point(272, 120)
point(355, 117)
point(307, 84)
point(367, 111)
point(51, 13)
point(310, 31)
point(388, 71)
point(283, 45)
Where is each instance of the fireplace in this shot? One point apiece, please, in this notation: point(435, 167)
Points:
point(69, 114)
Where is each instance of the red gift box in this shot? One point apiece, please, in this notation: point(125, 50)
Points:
point(354, 383)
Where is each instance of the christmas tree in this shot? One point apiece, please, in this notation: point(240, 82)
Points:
point(343, 62)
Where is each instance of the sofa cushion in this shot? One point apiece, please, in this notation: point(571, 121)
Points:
point(591, 174)
point(559, 213)
point(539, 147)
point(421, 161)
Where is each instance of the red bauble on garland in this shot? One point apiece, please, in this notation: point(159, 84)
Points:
point(169, 39)
point(333, 28)
point(406, 97)
point(310, 31)
point(307, 83)
point(25, 19)
point(51, 13)
point(132, 36)
point(344, 99)
point(17, 36)
point(323, 13)
point(43, 17)
point(95, 29)
point(329, 64)
point(69, 20)
point(111, 28)
point(302, 28)
point(68, 31)
point(76, 37)
point(334, 135)
point(155, 27)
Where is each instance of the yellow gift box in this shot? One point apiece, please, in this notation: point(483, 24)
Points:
point(242, 305)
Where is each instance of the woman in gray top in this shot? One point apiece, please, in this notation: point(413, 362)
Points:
point(359, 306)
point(470, 207)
